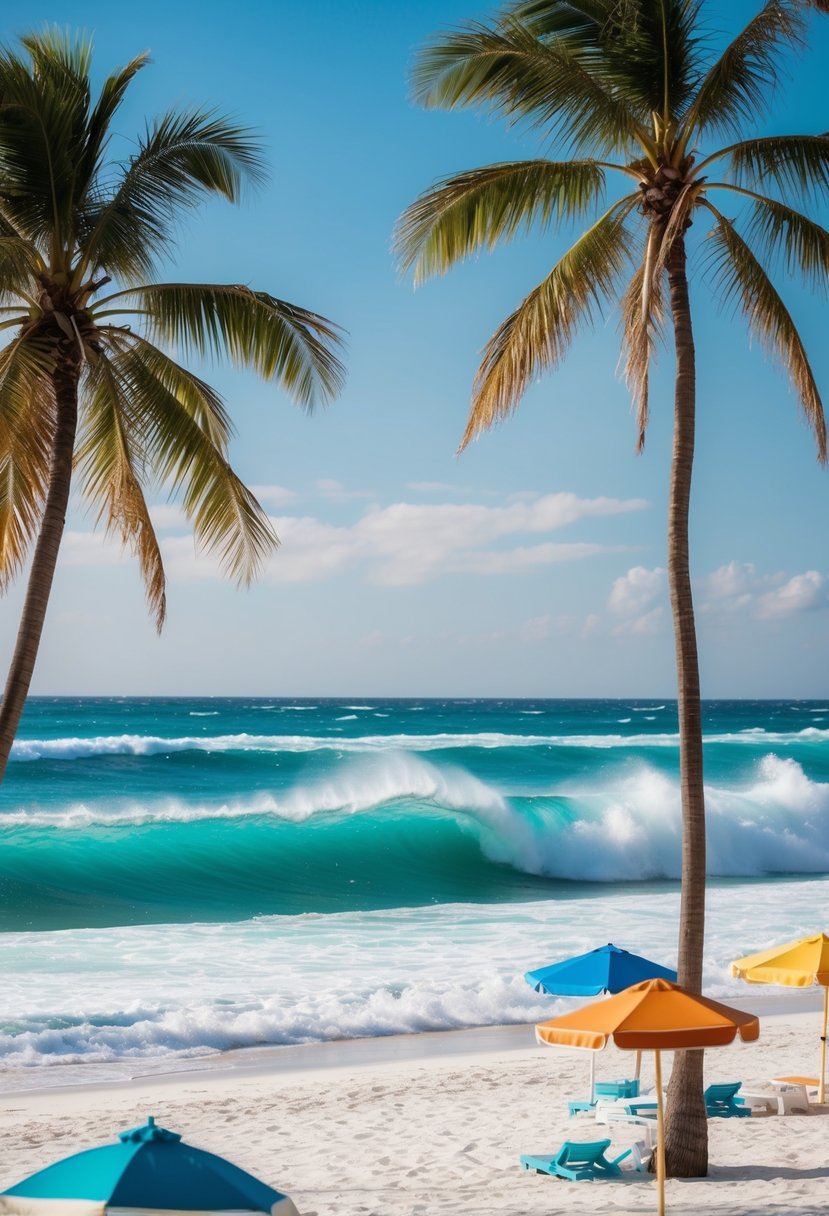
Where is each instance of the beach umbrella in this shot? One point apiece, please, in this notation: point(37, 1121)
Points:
point(606, 969)
point(149, 1169)
point(797, 965)
point(654, 1016)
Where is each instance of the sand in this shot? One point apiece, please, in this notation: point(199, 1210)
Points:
point(435, 1124)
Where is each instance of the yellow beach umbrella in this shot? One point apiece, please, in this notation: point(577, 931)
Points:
point(654, 1016)
point(797, 965)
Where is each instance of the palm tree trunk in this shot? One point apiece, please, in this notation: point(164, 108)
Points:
point(686, 1138)
point(65, 384)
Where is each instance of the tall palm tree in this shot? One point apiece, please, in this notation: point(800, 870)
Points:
point(85, 382)
point(632, 92)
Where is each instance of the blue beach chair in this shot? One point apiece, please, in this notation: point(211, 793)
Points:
point(605, 1089)
point(578, 1162)
point(721, 1102)
point(617, 1089)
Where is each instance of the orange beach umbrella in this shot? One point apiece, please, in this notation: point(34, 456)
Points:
point(797, 965)
point(656, 1016)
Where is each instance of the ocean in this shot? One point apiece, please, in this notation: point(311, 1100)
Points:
point(180, 877)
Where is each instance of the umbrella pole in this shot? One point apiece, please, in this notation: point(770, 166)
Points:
point(660, 1134)
point(638, 1071)
point(593, 1074)
point(821, 1092)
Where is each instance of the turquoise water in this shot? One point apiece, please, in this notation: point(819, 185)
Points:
point(314, 869)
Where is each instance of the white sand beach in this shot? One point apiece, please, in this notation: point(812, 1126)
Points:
point(436, 1124)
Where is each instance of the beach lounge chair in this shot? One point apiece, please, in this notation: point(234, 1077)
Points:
point(721, 1103)
point(792, 1094)
point(617, 1089)
point(617, 1114)
point(641, 1106)
point(639, 1160)
point(605, 1091)
point(578, 1162)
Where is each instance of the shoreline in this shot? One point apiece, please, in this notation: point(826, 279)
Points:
point(336, 1055)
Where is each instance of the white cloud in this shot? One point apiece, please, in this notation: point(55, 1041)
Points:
point(730, 582)
point(647, 623)
point(634, 593)
point(273, 496)
point(91, 549)
point(406, 544)
point(537, 629)
point(434, 487)
point(335, 491)
point(168, 516)
point(802, 593)
point(632, 597)
point(739, 587)
point(564, 625)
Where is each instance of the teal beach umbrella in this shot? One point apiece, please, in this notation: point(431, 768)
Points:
point(149, 1169)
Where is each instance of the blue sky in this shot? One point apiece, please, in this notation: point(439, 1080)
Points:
point(533, 564)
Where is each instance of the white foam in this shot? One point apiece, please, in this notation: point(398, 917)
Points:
point(367, 783)
point(777, 823)
point(194, 989)
point(151, 745)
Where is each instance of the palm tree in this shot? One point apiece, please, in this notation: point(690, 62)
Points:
point(80, 388)
point(632, 93)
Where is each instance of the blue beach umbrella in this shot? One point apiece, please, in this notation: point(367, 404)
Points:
point(149, 1169)
point(606, 969)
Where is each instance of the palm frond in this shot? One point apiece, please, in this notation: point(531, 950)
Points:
point(536, 337)
point(42, 131)
point(797, 165)
point(111, 462)
point(739, 86)
point(642, 320)
point(196, 396)
point(26, 427)
point(780, 233)
point(512, 72)
point(280, 341)
point(104, 110)
point(182, 158)
point(19, 264)
point(740, 278)
point(226, 517)
point(475, 210)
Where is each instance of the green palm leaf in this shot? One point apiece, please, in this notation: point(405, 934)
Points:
point(26, 420)
point(781, 233)
point(742, 279)
point(474, 210)
point(520, 77)
point(648, 51)
point(109, 100)
point(226, 517)
point(797, 165)
point(182, 158)
point(280, 341)
point(19, 264)
point(196, 396)
point(537, 336)
point(112, 462)
point(43, 111)
point(642, 319)
point(738, 86)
